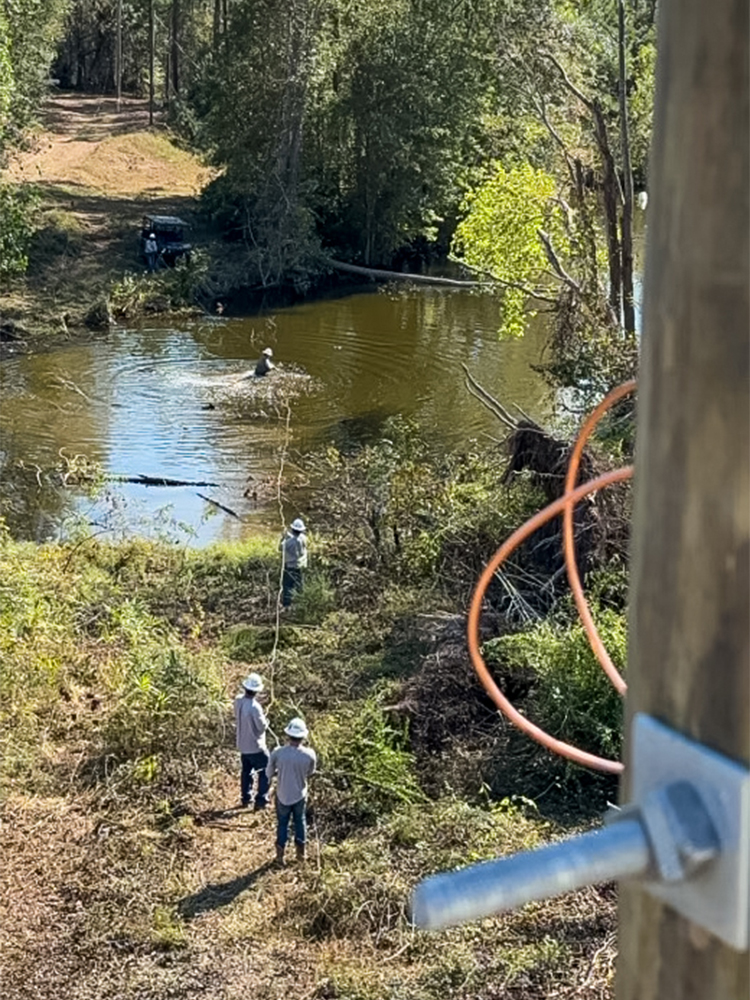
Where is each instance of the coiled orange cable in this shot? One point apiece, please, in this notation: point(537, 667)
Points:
point(574, 579)
point(565, 505)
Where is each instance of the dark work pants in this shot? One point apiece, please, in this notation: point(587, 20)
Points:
point(254, 762)
point(291, 581)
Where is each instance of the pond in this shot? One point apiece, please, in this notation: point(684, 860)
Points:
point(169, 400)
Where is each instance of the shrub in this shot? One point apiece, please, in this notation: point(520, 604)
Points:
point(16, 229)
point(315, 599)
point(570, 695)
point(364, 762)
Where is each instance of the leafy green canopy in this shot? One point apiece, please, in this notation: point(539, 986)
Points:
point(500, 235)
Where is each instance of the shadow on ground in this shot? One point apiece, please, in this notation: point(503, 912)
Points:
point(216, 895)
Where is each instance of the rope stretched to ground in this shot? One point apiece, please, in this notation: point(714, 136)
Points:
point(564, 505)
point(279, 591)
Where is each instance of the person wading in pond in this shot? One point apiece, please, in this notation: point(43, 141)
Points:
point(151, 249)
point(265, 365)
point(292, 765)
point(251, 726)
point(293, 548)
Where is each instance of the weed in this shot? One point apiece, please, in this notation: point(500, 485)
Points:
point(315, 599)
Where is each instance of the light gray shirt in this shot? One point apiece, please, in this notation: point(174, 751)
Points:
point(251, 725)
point(293, 765)
point(294, 548)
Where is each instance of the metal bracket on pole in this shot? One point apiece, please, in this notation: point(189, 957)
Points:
point(686, 835)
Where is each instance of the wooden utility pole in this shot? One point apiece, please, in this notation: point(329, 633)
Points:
point(690, 608)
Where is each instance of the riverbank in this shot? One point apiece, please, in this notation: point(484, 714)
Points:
point(120, 824)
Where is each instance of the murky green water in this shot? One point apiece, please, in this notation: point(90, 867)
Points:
point(167, 400)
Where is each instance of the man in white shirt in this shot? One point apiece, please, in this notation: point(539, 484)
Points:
point(294, 558)
point(292, 764)
point(251, 726)
point(151, 249)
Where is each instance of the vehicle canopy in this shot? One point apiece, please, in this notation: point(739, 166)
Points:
point(169, 227)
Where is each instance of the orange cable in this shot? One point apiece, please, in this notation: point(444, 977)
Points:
point(567, 501)
point(568, 538)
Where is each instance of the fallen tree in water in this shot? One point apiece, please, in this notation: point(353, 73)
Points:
point(374, 274)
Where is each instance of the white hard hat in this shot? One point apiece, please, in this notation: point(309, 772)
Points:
point(268, 351)
point(151, 236)
point(298, 524)
point(253, 683)
point(296, 729)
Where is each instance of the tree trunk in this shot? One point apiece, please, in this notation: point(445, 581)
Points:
point(217, 24)
point(175, 57)
point(610, 193)
point(690, 606)
point(151, 56)
point(628, 306)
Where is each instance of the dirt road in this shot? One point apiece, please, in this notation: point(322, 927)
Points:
point(97, 170)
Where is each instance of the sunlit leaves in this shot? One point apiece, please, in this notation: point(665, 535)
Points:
point(500, 234)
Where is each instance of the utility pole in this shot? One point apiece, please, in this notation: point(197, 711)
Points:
point(151, 47)
point(118, 55)
point(689, 653)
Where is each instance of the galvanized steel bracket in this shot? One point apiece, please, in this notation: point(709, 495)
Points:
point(685, 835)
point(716, 896)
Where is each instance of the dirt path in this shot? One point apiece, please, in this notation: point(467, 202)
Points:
point(98, 170)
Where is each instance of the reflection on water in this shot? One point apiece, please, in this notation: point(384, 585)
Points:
point(162, 401)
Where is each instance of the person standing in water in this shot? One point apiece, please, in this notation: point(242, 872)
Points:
point(265, 365)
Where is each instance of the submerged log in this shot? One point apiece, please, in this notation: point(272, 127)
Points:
point(156, 481)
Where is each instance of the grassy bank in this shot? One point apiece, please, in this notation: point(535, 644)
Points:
point(120, 782)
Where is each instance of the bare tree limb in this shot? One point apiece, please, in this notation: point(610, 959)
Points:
point(488, 400)
point(557, 267)
point(541, 108)
point(587, 102)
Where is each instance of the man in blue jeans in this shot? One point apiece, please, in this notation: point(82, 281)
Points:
point(251, 726)
point(292, 764)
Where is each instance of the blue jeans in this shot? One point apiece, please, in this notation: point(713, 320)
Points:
point(254, 762)
point(291, 581)
point(297, 812)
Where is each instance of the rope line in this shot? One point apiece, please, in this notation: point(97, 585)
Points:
point(565, 505)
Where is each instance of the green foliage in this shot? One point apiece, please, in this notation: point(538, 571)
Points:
point(430, 518)
point(78, 654)
point(500, 234)
point(159, 686)
point(17, 205)
point(365, 761)
point(29, 31)
point(571, 696)
point(315, 599)
point(170, 288)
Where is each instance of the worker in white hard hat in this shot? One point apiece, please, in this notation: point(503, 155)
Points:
point(265, 365)
point(292, 765)
point(251, 726)
point(151, 250)
point(293, 548)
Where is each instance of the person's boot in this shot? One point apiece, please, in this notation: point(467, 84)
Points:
point(279, 857)
point(300, 852)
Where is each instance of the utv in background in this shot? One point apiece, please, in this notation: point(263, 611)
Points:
point(170, 237)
